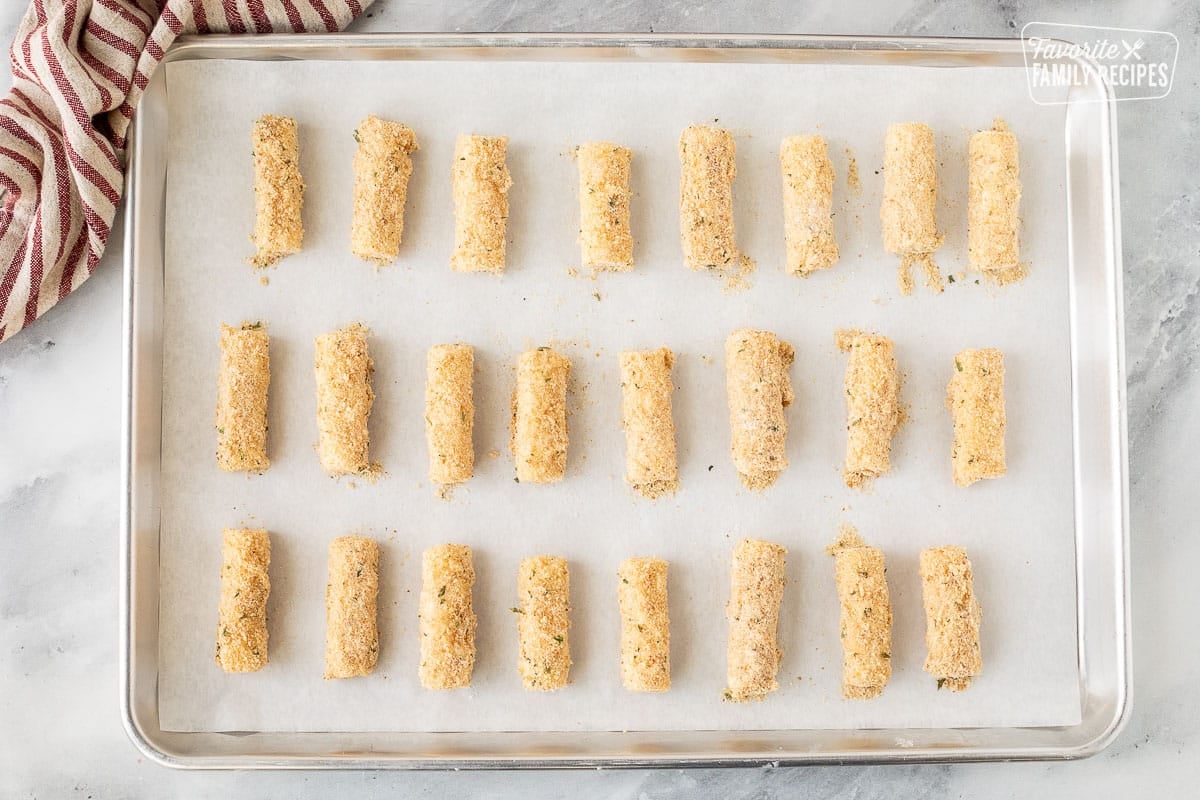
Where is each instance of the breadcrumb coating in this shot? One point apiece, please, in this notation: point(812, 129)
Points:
point(872, 405)
point(994, 202)
point(447, 619)
point(645, 625)
point(759, 389)
point(481, 183)
point(344, 398)
point(909, 210)
point(351, 597)
point(382, 166)
point(756, 591)
point(952, 617)
point(543, 623)
point(450, 413)
point(605, 239)
point(242, 384)
point(278, 190)
point(650, 458)
point(807, 204)
point(975, 397)
point(866, 616)
point(707, 169)
point(242, 613)
point(539, 430)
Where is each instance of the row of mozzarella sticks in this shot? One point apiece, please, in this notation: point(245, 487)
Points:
point(759, 392)
point(447, 619)
point(481, 183)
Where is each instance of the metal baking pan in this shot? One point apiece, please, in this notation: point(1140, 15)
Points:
point(1100, 498)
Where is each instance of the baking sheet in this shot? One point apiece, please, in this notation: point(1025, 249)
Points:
point(1018, 530)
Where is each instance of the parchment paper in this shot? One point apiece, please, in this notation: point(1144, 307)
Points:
point(1017, 530)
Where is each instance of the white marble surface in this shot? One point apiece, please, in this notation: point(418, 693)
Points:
point(60, 732)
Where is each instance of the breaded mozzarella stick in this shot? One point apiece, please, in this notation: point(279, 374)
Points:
point(278, 190)
point(344, 399)
point(952, 617)
point(807, 204)
point(242, 384)
point(756, 365)
point(605, 240)
point(351, 597)
point(909, 211)
point(645, 625)
point(872, 405)
point(543, 585)
point(650, 461)
point(994, 202)
point(382, 167)
point(539, 428)
point(866, 616)
point(756, 591)
point(481, 183)
point(245, 587)
point(450, 412)
point(447, 620)
point(707, 169)
point(975, 397)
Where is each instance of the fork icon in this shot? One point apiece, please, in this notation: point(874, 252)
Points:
point(1132, 50)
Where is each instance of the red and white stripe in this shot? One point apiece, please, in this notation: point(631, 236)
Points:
point(79, 68)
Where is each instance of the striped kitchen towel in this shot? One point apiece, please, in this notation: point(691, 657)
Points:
point(79, 68)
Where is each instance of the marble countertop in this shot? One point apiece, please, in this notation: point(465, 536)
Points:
point(60, 392)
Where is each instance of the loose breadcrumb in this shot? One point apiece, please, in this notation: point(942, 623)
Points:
point(866, 616)
point(872, 405)
point(994, 203)
point(382, 167)
point(278, 190)
point(344, 398)
point(952, 617)
point(539, 429)
point(450, 413)
point(759, 389)
point(909, 210)
point(543, 623)
point(447, 620)
point(756, 591)
point(1006, 276)
point(605, 239)
point(242, 383)
point(646, 385)
point(645, 625)
point(853, 181)
point(245, 587)
point(481, 183)
point(351, 596)
point(904, 275)
point(807, 204)
point(975, 397)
